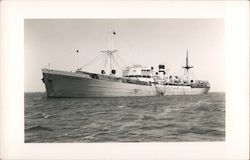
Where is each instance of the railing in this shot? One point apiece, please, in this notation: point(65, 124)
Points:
point(197, 84)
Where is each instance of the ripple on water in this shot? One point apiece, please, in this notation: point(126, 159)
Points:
point(125, 119)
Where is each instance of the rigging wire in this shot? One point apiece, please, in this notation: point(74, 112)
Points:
point(110, 59)
point(60, 58)
point(117, 64)
point(106, 59)
point(131, 47)
point(97, 57)
point(121, 60)
point(110, 62)
point(99, 63)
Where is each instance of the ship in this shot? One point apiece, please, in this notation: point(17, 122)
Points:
point(136, 80)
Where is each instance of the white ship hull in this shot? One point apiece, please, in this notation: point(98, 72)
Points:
point(71, 84)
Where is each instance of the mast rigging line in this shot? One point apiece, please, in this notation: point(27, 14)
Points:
point(109, 56)
point(131, 47)
point(59, 58)
point(97, 57)
point(106, 59)
point(121, 60)
point(117, 64)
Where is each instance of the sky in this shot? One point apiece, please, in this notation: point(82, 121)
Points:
point(138, 41)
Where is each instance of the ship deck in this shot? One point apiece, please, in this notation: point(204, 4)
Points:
point(83, 74)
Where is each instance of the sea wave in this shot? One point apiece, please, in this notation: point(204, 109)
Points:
point(38, 128)
point(125, 119)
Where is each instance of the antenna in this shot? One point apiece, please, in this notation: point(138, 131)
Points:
point(187, 67)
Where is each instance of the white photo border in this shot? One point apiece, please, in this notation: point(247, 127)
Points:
point(236, 16)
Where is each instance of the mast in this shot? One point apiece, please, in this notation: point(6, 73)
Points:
point(187, 66)
point(110, 51)
point(186, 69)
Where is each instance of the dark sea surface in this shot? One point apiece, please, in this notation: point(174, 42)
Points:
point(125, 119)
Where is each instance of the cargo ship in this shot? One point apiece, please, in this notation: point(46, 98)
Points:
point(136, 80)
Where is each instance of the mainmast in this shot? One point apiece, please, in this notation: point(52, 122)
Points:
point(187, 67)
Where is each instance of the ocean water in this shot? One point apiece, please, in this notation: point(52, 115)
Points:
point(189, 118)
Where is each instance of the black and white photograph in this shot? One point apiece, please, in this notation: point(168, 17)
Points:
point(124, 80)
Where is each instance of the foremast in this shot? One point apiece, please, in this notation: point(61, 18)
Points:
point(110, 53)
